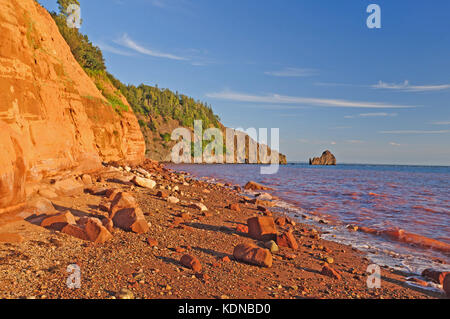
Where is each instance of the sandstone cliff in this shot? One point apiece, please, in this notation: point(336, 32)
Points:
point(326, 159)
point(53, 119)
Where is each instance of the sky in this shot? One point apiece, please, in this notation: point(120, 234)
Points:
point(313, 69)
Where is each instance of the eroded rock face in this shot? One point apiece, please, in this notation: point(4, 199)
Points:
point(326, 159)
point(52, 117)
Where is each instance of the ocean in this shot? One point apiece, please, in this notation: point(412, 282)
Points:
point(382, 197)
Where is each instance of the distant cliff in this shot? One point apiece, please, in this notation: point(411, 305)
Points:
point(326, 159)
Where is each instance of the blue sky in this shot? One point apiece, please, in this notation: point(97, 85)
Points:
point(311, 68)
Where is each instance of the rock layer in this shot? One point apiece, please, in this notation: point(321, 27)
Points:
point(52, 117)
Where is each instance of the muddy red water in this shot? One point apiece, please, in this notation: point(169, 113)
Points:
point(381, 197)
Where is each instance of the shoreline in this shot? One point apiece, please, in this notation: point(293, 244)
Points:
point(36, 267)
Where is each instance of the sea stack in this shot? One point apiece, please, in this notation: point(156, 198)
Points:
point(327, 158)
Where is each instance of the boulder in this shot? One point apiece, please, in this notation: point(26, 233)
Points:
point(262, 228)
point(58, 221)
point(75, 231)
point(330, 272)
point(252, 254)
point(256, 186)
point(191, 262)
point(272, 246)
point(199, 206)
point(108, 224)
point(121, 201)
point(235, 207)
point(162, 194)
point(131, 219)
point(96, 232)
point(242, 229)
point(68, 187)
point(144, 182)
point(287, 239)
point(173, 200)
point(326, 159)
point(446, 285)
point(435, 275)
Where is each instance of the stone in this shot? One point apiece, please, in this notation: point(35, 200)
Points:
point(112, 192)
point(264, 196)
point(144, 182)
point(131, 219)
point(173, 200)
point(446, 285)
point(108, 224)
point(86, 179)
point(262, 228)
point(191, 262)
point(162, 194)
point(252, 254)
point(152, 242)
point(121, 201)
point(235, 207)
point(272, 246)
point(280, 221)
point(58, 221)
point(242, 229)
point(96, 232)
point(47, 193)
point(199, 206)
point(435, 275)
point(330, 272)
point(125, 294)
point(326, 159)
point(68, 187)
point(288, 240)
point(255, 186)
point(75, 231)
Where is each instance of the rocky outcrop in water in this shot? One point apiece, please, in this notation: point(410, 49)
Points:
point(326, 159)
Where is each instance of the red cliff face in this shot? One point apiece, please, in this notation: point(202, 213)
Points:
point(53, 119)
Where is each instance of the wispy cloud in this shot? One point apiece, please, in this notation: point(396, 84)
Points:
point(441, 123)
point(406, 86)
point(127, 42)
point(111, 49)
point(415, 132)
point(394, 144)
point(293, 72)
point(379, 114)
point(296, 100)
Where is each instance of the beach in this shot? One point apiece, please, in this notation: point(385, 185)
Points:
point(34, 263)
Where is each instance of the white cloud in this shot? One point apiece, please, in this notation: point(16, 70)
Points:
point(108, 48)
point(293, 72)
point(406, 86)
point(379, 114)
point(441, 123)
point(283, 99)
point(394, 144)
point(415, 132)
point(126, 41)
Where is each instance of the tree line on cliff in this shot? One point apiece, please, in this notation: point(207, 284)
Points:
point(148, 101)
